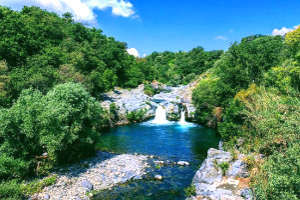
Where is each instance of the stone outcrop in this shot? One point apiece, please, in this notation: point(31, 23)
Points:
point(173, 99)
point(128, 101)
point(214, 183)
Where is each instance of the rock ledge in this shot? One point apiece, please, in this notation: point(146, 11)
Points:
point(212, 183)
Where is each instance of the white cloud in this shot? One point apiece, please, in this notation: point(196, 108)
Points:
point(82, 10)
point(283, 30)
point(134, 52)
point(119, 7)
point(221, 37)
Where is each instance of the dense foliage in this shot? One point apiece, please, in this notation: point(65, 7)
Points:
point(53, 71)
point(252, 97)
point(39, 130)
point(177, 68)
point(39, 49)
point(42, 49)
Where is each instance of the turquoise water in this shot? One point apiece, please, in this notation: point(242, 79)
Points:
point(171, 143)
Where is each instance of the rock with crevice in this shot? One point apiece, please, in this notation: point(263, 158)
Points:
point(210, 182)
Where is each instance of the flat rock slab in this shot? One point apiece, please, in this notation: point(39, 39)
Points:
point(103, 171)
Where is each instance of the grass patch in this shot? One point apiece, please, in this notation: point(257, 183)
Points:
point(38, 185)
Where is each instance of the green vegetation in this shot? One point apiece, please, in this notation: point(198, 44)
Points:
point(255, 88)
point(39, 50)
point(177, 68)
point(41, 131)
point(37, 186)
point(190, 191)
point(11, 190)
point(136, 116)
point(53, 71)
point(224, 167)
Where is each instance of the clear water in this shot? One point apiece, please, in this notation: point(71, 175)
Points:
point(170, 142)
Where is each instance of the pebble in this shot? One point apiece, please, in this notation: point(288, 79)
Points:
point(158, 177)
point(88, 185)
point(158, 162)
point(47, 196)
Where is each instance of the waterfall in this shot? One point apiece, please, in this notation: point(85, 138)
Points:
point(160, 116)
point(182, 118)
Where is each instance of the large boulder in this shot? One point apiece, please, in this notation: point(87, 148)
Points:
point(210, 182)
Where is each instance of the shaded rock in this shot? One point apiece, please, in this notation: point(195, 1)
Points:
point(87, 184)
point(47, 196)
point(220, 145)
point(238, 169)
point(247, 194)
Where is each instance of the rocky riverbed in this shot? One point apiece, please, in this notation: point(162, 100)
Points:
point(101, 172)
point(173, 99)
point(222, 176)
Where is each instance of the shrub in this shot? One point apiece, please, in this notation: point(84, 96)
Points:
point(71, 122)
point(233, 119)
point(38, 185)
point(279, 177)
point(190, 191)
point(113, 111)
point(224, 167)
point(40, 131)
point(11, 190)
point(136, 116)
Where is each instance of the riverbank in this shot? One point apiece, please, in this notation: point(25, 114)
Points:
point(222, 176)
point(103, 171)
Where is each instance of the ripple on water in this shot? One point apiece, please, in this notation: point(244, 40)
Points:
point(171, 142)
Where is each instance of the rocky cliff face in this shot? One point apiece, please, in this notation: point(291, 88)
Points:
point(173, 99)
point(222, 177)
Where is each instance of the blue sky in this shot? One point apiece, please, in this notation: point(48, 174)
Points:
point(159, 25)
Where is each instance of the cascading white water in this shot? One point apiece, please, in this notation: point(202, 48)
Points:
point(160, 116)
point(182, 118)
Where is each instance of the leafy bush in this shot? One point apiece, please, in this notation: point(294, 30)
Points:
point(11, 190)
point(136, 116)
point(275, 119)
point(149, 90)
point(279, 177)
point(71, 122)
point(224, 167)
point(40, 131)
point(232, 121)
point(190, 191)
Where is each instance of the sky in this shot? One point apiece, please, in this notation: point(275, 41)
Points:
point(176, 25)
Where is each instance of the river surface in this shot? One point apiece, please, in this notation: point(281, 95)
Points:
point(169, 142)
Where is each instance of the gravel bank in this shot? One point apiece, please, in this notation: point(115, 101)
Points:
point(102, 172)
